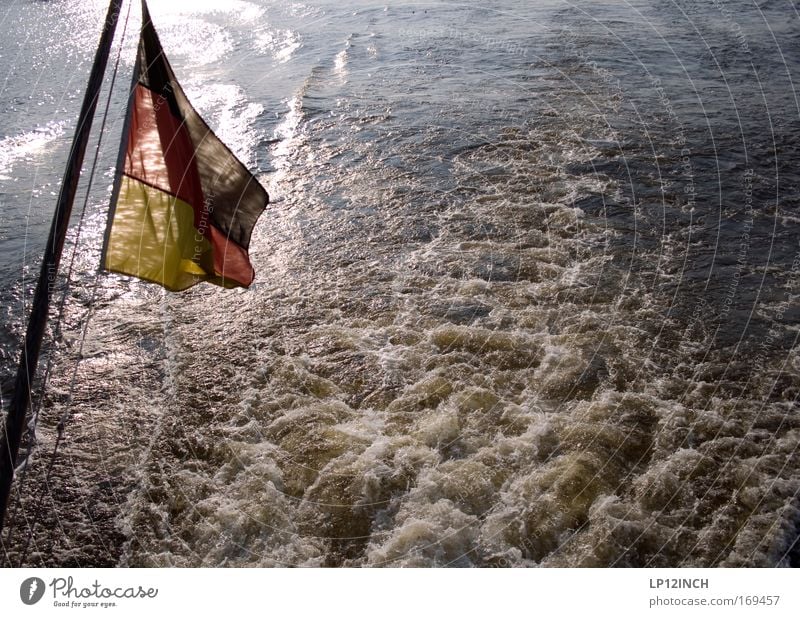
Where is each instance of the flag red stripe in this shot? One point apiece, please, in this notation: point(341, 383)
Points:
point(161, 154)
point(230, 260)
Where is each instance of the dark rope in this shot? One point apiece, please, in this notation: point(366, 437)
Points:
point(57, 333)
point(15, 418)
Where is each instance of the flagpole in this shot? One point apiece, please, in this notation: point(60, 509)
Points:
point(20, 400)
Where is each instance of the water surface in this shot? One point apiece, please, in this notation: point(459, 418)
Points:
point(526, 291)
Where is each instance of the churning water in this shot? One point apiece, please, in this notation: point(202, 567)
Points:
point(527, 291)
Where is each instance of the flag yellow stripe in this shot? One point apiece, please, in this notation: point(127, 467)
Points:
point(153, 237)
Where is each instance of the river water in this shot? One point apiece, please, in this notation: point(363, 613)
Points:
point(526, 294)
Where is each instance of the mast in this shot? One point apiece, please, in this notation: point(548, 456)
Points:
point(20, 400)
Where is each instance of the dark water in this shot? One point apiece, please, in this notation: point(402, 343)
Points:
point(527, 291)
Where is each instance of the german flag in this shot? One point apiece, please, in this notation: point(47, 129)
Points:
point(183, 206)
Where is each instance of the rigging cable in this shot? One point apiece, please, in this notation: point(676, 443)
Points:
point(64, 417)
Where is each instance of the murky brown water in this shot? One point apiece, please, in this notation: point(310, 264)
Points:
point(526, 295)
